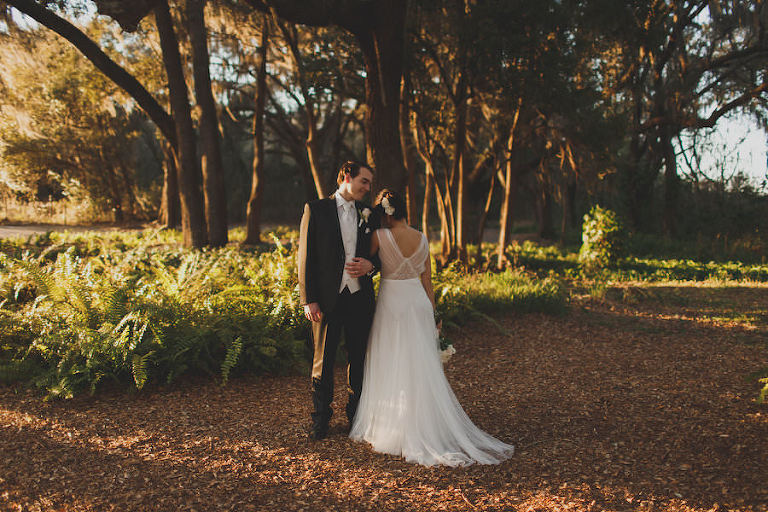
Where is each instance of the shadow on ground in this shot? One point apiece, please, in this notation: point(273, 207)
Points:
point(628, 403)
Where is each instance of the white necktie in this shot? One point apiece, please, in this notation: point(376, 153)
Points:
point(348, 231)
point(348, 211)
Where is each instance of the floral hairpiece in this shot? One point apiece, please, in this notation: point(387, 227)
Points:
point(388, 209)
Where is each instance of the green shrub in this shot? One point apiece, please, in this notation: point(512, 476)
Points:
point(603, 238)
point(460, 296)
point(763, 392)
point(146, 315)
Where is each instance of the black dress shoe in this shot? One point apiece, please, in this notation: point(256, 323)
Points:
point(316, 434)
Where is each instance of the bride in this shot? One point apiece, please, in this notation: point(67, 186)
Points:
point(407, 407)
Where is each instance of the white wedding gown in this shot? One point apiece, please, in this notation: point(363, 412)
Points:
point(407, 407)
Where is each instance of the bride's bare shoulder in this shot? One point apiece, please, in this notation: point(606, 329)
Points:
point(415, 233)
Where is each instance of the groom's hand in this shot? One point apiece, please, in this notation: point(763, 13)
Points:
point(358, 267)
point(312, 312)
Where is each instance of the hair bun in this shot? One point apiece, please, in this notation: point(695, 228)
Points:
point(392, 204)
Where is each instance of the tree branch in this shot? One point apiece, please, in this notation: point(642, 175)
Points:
point(127, 14)
point(102, 61)
point(354, 15)
point(742, 100)
point(706, 122)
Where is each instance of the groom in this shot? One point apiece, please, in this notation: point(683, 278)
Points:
point(336, 288)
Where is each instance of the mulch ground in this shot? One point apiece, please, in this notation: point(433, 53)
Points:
point(640, 401)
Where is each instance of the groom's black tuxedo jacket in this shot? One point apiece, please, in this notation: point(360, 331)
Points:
point(321, 252)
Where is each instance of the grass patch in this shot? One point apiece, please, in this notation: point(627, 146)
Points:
point(563, 262)
point(459, 295)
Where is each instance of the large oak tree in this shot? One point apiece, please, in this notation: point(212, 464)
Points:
point(379, 28)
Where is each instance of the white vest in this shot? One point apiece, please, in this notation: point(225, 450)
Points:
point(348, 224)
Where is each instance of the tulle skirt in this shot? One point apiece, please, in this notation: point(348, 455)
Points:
point(407, 407)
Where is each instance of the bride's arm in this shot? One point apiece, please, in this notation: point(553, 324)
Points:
point(375, 243)
point(426, 282)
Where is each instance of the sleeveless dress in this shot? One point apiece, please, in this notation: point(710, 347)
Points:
point(407, 407)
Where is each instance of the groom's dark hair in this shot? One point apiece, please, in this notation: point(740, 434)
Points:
point(352, 168)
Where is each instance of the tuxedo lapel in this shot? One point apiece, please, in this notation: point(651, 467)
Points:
point(363, 246)
point(333, 215)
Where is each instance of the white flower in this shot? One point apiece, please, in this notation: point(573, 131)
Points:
point(389, 210)
point(363, 216)
point(446, 354)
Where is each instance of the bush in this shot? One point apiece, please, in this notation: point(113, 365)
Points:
point(147, 315)
point(460, 296)
point(603, 239)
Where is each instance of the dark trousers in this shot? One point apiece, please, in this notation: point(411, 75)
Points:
point(353, 314)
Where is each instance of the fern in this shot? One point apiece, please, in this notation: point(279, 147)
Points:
point(116, 305)
point(45, 283)
point(130, 331)
point(93, 311)
point(139, 369)
point(138, 335)
point(230, 360)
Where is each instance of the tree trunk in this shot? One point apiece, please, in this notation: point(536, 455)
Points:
point(170, 209)
point(210, 137)
point(510, 191)
point(544, 210)
point(443, 211)
point(380, 31)
point(382, 48)
point(483, 219)
point(409, 150)
point(312, 142)
point(564, 208)
point(253, 222)
point(115, 196)
point(638, 200)
point(671, 182)
point(448, 233)
point(569, 209)
point(507, 213)
point(429, 184)
point(446, 224)
point(192, 218)
point(459, 164)
point(136, 209)
point(313, 156)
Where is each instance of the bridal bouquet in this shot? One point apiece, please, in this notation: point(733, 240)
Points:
point(446, 350)
point(444, 345)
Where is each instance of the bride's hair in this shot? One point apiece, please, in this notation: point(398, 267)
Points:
point(394, 203)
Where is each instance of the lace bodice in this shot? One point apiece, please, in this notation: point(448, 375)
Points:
point(393, 264)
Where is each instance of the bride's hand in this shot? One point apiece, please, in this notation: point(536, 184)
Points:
point(439, 326)
point(359, 267)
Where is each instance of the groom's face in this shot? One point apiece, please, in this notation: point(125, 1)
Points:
point(360, 185)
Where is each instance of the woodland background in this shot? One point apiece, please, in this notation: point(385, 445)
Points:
point(509, 115)
point(599, 253)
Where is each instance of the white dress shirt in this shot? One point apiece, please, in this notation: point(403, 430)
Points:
point(348, 223)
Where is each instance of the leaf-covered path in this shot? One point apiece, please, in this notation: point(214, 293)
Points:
point(641, 401)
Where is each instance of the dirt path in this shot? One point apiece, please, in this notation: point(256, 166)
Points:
point(23, 230)
point(641, 403)
point(490, 235)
